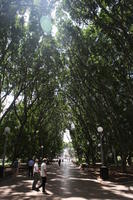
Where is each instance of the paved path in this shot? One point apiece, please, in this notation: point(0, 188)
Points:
point(65, 183)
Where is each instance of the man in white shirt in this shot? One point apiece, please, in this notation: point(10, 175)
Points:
point(43, 175)
point(36, 173)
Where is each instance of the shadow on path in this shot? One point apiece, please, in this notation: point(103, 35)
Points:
point(66, 182)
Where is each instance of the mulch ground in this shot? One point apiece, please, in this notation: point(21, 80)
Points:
point(115, 173)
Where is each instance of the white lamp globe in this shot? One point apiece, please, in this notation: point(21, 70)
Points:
point(7, 130)
point(100, 129)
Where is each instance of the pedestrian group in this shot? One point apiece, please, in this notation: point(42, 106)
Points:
point(37, 173)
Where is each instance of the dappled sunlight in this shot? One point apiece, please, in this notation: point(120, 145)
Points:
point(125, 191)
point(54, 179)
point(61, 176)
point(20, 187)
point(53, 173)
point(84, 179)
point(64, 183)
point(71, 183)
point(74, 198)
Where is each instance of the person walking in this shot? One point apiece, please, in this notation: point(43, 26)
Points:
point(59, 162)
point(16, 166)
point(43, 175)
point(30, 167)
point(36, 176)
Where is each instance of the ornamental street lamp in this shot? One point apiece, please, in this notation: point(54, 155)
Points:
point(6, 132)
point(100, 130)
point(103, 168)
point(42, 148)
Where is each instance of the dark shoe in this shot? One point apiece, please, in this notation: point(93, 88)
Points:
point(37, 189)
point(46, 193)
point(33, 188)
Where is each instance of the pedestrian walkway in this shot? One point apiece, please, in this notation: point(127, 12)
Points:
point(66, 182)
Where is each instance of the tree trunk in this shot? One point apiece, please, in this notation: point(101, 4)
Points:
point(87, 158)
point(93, 158)
point(124, 168)
point(129, 159)
point(114, 156)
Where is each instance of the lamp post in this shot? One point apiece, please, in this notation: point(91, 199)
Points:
point(88, 143)
point(103, 168)
point(100, 130)
point(6, 132)
point(42, 147)
point(87, 155)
